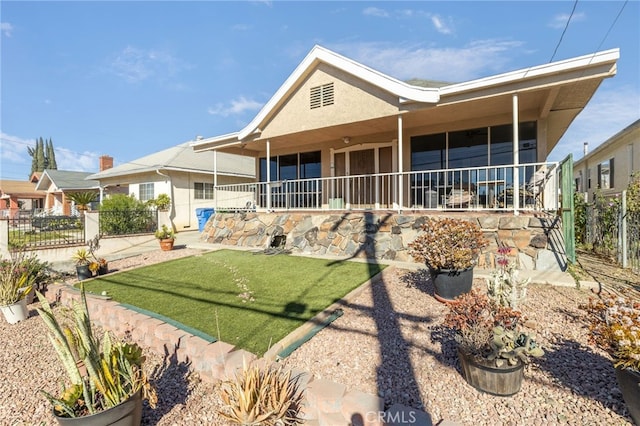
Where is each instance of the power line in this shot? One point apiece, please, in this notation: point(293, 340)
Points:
point(612, 25)
point(575, 4)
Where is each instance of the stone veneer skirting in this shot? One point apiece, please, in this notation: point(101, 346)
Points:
point(536, 239)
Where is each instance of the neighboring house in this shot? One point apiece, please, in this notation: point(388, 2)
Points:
point(17, 196)
point(340, 135)
point(186, 176)
point(57, 183)
point(609, 167)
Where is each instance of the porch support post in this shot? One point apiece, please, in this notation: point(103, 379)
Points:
point(268, 186)
point(516, 155)
point(101, 193)
point(400, 165)
point(215, 179)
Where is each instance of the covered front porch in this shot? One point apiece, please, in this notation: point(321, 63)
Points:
point(464, 189)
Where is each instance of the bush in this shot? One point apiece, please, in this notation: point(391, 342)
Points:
point(122, 214)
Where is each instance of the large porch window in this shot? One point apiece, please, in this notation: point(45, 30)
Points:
point(470, 149)
point(303, 168)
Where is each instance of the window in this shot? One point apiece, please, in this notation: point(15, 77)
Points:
point(605, 174)
point(292, 166)
point(321, 96)
point(428, 152)
point(203, 191)
point(145, 192)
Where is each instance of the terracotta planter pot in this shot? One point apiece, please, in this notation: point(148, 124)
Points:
point(486, 377)
point(128, 413)
point(629, 383)
point(451, 283)
point(166, 244)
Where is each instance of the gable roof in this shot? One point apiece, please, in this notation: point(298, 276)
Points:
point(182, 158)
point(595, 66)
point(19, 188)
point(66, 180)
point(633, 127)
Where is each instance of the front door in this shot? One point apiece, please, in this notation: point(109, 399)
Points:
point(360, 188)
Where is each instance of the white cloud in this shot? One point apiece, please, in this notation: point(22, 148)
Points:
point(440, 25)
point(76, 161)
point(16, 161)
point(560, 21)
point(237, 106)
point(452, 64)
point(134, 65)
point(6, 28)
point(608, 112)
point(375, 11)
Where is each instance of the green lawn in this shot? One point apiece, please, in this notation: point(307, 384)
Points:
point(204, 291)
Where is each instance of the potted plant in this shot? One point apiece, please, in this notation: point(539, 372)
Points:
point(166, 237)
point(99, 265)
point(614, 325)
point(15, 284)
point(493, 348)
point(114, 383)
point(504, 283)
point(449, 247)
point(82, 200)
point(83, 259)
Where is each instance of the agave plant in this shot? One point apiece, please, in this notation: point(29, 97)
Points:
point(262, 396)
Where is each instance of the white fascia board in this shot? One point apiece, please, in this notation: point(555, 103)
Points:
point(215, 142)
point(404, 91)
point(572, 64)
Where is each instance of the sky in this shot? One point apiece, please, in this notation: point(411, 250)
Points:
point(130, 78)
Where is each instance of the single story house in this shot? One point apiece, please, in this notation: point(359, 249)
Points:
point(56, 184)
point(186, 176)
point(610, 165)
point(19, 195)
point(340, 135)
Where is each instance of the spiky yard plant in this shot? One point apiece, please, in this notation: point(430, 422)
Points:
point(113, 369)
point(262, 396)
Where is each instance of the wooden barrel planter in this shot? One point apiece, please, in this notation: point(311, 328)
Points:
point(629, 384)
point(486, 377)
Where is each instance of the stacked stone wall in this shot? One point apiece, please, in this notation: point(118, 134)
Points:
point(536, 239)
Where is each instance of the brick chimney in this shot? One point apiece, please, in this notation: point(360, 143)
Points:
point(106, 162)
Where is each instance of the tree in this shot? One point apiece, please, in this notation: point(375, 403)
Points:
point(43, 156)
point(41, 165)
point(51, 157)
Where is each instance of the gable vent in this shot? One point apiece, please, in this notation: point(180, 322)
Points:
point(321, 96)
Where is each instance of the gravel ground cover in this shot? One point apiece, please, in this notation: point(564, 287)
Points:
point(388, 342)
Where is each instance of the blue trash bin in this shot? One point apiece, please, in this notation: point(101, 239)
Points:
point(203, 216)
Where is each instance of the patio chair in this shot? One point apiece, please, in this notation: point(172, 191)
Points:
point(535, 186)
point(461, 196)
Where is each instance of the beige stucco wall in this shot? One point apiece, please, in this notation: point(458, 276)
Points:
point(625, 151)
point(179, 186)
point(354, 100)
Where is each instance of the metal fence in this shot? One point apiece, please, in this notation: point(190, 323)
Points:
point(613, 231)
point(128, 222)
point(47, 231)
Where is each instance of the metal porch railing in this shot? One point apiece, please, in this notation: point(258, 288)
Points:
point(474, 188)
